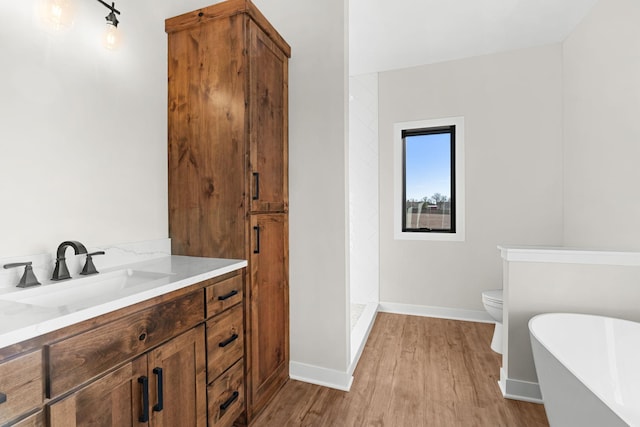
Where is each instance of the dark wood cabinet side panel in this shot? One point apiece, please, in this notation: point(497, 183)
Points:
point(207, 140)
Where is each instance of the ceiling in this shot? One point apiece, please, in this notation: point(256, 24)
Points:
point(392, 34)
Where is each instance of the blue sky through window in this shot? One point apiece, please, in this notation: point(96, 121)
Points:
point(428, 165)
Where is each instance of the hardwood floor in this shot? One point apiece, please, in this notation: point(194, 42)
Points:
point(414, 371)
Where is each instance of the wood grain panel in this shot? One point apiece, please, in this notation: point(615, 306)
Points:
point(22, 384)
point(269, 308)
point(226, 9)
point(414, 371)
point(35, 420)
point(221, 392)
point(78, 359)
point(268, 124)
point(182, 361)
point(224, 290)
point(221, 328)
point(207, 140)
point(111, 401)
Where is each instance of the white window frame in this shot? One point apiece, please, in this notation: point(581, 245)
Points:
point(398, 171)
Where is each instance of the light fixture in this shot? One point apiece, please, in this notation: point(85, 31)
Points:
point(112, 36)
point(57, 14)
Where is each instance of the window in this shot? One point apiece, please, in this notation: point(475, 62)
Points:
point(429, 179)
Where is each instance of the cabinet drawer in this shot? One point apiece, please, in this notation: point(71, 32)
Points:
point(21, 385)
point(35, 420)
point(77, 359)
point(224, 295)
point(226, 397)
point(225, 341)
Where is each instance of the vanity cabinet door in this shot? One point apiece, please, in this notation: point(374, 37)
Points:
point(111, 401)
point(268, 123)
point(177, 381)
point(268, 308)
point(21, 386)
point(35, 420)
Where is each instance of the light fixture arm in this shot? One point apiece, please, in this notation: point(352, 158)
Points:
point(111, 7)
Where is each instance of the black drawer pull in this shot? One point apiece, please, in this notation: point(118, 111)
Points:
point(160, 405)
point(229, 401)
point(228, 341)
point(257, 248)
point(145, 399)
point(227, 296)
point(256, 194)
point(3, 397)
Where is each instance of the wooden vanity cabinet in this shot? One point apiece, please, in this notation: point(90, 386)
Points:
point(176, 360)
point(164, 387)
point(34, 420)
point(21, 386)
point(228, 168)
point(225, 353)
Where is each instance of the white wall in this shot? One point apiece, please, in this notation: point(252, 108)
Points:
point(601, 88)
point(83, 148)
point(511, 103)
point(85, 134)
point(364, 283)
point(317, 33)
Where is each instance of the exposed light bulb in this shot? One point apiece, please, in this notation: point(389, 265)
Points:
point(112, 37)
point(57, 14)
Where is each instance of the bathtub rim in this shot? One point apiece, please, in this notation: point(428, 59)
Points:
point(630, 419)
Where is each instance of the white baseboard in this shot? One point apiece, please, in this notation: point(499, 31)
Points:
point(360, 334)
point(519, 390)
point(439, 312)
point(320, 376)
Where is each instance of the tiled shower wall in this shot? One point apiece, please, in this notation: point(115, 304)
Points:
point(363, 188)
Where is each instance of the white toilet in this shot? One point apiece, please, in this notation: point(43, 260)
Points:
point(492, 301)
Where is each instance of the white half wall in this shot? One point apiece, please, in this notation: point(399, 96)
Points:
point(512, 107)
point(601, 89)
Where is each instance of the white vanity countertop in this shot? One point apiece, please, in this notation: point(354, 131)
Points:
point(21, 321)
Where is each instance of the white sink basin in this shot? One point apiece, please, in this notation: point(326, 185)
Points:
point(84, 292)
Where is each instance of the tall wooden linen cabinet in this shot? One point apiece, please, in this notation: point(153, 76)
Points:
point(228, 166)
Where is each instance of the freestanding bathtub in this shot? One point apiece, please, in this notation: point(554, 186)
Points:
point(588, 369)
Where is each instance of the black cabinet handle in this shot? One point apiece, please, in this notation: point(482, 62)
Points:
point(256, 181)
point(229, 401)
point(227, 296)
point(145, 399)
point(3, 397)
point(160, 405)
point(228, 341)
point(257, 248)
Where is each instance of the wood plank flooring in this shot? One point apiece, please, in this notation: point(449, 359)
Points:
point(414, 371)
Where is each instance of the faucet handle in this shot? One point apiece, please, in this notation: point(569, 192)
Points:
point(89, 266)
point(28, 277)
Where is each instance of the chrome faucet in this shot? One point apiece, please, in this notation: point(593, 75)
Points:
point(61, 272)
